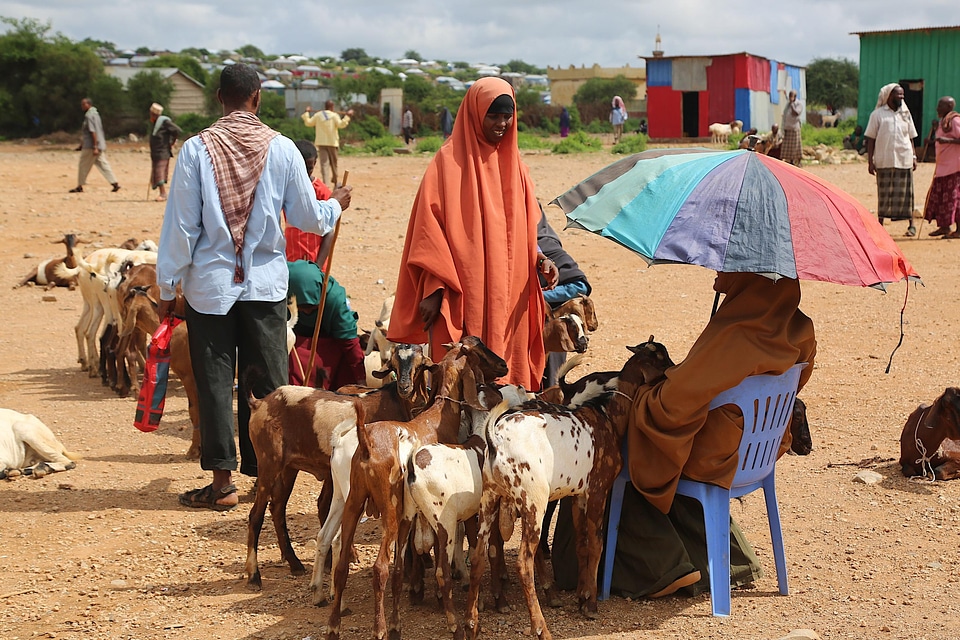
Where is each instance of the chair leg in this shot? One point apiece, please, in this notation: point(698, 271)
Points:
point(716, 516)
point(776, 532)
point(613, 526)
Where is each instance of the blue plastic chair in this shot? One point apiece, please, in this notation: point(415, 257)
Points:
point(766, 402)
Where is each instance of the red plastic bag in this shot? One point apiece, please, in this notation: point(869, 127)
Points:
point(153, 393)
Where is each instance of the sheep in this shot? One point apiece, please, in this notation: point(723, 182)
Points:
point(297, 429)
point(829, 120)
point(720, 133)
point(44, 274)
point(378, 469)
point(545, 453)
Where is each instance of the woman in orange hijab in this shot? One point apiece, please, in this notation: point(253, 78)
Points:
point(470, 258)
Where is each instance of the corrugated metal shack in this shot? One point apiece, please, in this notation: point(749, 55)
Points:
point(686, 94)
point(924, 61)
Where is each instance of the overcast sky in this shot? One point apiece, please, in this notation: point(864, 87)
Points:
point(544, 33)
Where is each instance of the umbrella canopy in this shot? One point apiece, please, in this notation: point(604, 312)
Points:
point(736, 211)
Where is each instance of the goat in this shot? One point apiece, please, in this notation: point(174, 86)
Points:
point(443, 489)
point(535, 455)
point(28, 447)
point(378, 337)
point(720, 133)
point(930, 441)
point(92, 272)
point(297, 429)
point(829, 120)
point(44, 274)
point(377, 472)
point(564, 333)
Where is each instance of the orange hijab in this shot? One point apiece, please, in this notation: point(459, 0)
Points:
point(757, 329)
point(473, 233)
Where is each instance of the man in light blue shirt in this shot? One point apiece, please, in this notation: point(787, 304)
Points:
point(222, 241)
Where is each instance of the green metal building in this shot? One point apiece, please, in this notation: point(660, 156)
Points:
point(924, 61)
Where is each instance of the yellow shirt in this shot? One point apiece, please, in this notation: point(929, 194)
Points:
point(327, 124)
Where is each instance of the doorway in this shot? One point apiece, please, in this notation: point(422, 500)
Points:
point(913, 98)
point(691, 114)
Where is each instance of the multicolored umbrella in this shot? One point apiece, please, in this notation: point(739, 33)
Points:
point(736, 211)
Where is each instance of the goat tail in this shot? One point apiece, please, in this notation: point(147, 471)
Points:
point(491, 420)
point(363, 444)
point(65, 272)
point(566, 368)
point(71, 455)
point(249, 379)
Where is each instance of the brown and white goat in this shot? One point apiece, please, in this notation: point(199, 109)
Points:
point(548, 453)
point(45, 274)
point(930, 441)
point(444, 485)
point(298, 428)
point(378, 470)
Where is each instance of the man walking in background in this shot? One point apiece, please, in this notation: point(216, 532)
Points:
point(93, 148)
point(407, 125)
point(791, 150)
point(327, 139)
point(891, 156)
point(163, 135)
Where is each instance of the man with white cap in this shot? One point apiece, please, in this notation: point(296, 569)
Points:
point(163, 135)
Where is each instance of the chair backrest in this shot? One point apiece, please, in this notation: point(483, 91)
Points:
point(766, 402)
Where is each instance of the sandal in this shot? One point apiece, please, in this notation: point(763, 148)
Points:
point(911, 231)
point(941, 231)
point(76, 190)
point(953, 235)
point(206, 498)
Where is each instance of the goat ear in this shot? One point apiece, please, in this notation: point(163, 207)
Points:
point(468, 389)
point(380, 374)
point(489, 397)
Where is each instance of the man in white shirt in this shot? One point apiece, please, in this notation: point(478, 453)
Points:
point(222, 241)
point(891, 156)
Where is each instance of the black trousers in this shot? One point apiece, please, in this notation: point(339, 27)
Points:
point(252, 335)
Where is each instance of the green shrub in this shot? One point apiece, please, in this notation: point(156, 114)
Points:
point(578, 142)
point(369, 127)
point(631, 144)
point(193, 123)
point(531, 141)
point(429, 144)
point(811, 136)
point(599, 126)
point(382, 146)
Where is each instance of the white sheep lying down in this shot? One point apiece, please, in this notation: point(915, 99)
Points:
point(28, 447)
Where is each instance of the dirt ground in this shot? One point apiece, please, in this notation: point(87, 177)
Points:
point(105, 551)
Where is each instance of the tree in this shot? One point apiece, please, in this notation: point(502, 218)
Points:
point(416, 89)
point(519, 66)
point(833, 82)
point(594, 96)
point(188, 64)
point(144, 51)
point(355, 55)
point(250, 51)
point(199, 54)
point(42, 78)
point(413, 55)
point(145, 88)
point(597, 90)
point(99, 44)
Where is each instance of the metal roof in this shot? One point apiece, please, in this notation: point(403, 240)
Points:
point(720, 55)
point(880, 31)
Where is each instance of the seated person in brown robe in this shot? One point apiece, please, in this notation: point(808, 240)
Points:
point(757, 329)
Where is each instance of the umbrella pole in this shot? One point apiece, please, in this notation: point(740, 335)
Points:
point(323, 293)
point(716, 303)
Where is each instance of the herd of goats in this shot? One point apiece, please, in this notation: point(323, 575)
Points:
point(438, 454)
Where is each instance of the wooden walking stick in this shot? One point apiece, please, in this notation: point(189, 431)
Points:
point(323, 293)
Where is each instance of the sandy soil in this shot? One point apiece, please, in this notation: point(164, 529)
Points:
point(105, 551)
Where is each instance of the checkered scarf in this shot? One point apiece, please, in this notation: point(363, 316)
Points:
point(237, 145)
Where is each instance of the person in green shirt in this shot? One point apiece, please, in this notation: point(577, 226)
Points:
point(339, 359)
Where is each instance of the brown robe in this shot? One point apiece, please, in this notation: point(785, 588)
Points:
point(758, 329)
